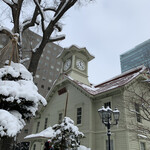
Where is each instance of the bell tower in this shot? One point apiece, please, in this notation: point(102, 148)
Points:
point(75, 63)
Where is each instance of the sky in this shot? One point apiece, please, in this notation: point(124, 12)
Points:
point(107, 29)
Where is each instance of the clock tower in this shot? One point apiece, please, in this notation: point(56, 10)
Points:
point(75, 63)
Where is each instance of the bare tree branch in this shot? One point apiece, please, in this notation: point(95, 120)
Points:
point(57, 38)
point(7, 32)
point(41, 13)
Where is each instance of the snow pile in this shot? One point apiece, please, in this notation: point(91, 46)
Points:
point(81, 147)
point(18, 93)
point(15, 70)
point(10, 123)
point(66, 133)
point(47, 133)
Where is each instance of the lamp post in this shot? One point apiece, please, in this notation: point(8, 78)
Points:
point(106, 116)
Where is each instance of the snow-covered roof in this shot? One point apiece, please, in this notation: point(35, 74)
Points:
point(47, 133)
point(113, 83)
point(67, 124)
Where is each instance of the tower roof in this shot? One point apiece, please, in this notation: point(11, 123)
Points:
point(74, 48)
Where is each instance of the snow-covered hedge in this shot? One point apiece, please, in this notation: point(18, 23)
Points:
point(65, 134)
point(10, 123)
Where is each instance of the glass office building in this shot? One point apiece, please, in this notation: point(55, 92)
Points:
point(139, 55)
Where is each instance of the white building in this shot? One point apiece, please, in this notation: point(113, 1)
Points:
point(84, 100)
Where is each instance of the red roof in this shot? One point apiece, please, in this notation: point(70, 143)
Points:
point(113, 83)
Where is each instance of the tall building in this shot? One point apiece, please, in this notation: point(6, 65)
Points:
point(139, 55)
point(48, 68)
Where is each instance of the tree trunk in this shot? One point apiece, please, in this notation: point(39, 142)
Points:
point(6, 143)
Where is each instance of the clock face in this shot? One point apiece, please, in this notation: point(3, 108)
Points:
point(67, 64)
point(80, 64)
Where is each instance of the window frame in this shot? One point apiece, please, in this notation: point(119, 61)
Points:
point(138, 115)
point(46, 122)
point(60, 119)
point(141, 142)
point(37, 126)
point(106, 104)
point(111, 144)
point(79, 116)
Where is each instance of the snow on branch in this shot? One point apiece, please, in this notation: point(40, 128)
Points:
point(41, 12)
point(11, 123)
point(57, 38)
point(64, 4)
point(58, 26)
point(8, 2)
point(17, 90)
point(50, 9)
point(15, 1)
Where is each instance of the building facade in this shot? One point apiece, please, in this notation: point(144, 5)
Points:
point(84, 100)
point(140, 55)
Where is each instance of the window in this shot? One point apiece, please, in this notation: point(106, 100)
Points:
point(48, 51)
point(57, 69)
point(108, 104)
point(26, 131)
point(1, 46)
point(47, 57)
point(34, 147)
point(45, 125)
point(142, 146)
point(38, 40)
point(52, 67)
point(111, 145)
point(43, 78)
point(60, 117)
point(37, 76)
point(49, 80)
point(58, 62)
point(79, 115)
point(62, 91)
point(37, 127)
point(48, 88)
point(42, 86)
point(137, 109)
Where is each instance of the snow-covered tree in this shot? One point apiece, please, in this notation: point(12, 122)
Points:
point(66, 135)
point(19, 100)
point(46, 14)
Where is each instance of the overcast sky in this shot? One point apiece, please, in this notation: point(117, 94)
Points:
point(107, 28)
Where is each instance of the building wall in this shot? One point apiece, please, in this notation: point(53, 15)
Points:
point(130, 98)
point(57, 105)
point(91, 126)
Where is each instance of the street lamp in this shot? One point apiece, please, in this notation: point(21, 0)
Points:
point(106, 116)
